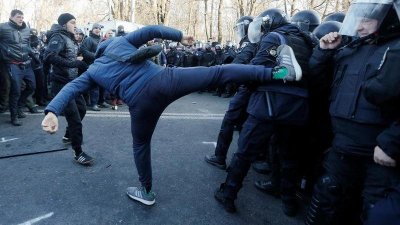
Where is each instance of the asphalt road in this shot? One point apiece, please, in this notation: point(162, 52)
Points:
point(50, 188)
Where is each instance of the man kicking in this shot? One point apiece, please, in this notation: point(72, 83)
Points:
point(148, 88)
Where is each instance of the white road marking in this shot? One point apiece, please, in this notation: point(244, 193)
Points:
point(186, 116)
point(3, 140)
point(210, 143)
point(32, 221)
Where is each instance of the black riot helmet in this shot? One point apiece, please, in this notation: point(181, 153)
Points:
point(267, 21)
point(306, 20)
point(326, 28)
point(241, 27)
point(390, 24)
point(337, 16)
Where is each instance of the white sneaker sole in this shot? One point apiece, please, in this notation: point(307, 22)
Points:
point(141, 200)
point(296, 65)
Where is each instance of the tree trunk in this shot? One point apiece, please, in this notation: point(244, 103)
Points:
point(211, 18)
point(205, 17)
point(221, 2)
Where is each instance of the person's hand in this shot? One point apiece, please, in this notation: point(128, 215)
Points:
point(80, 58)
point(330, 41)
point(50, 123)
point(187, 40)
point(382, 158)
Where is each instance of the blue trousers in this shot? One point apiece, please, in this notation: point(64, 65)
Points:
point(17, 74)
point(170, 85)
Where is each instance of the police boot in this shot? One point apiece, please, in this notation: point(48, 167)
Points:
point(16, 122)
point(227, 192)
point(20, 114)
point(226, 196)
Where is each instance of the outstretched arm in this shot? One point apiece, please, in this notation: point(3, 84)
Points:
point(58, 104)
point(148, 33)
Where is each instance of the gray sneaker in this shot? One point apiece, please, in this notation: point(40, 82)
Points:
point(287, 59)
point(140, 194)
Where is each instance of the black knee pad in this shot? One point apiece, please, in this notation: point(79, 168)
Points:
point(327, 193)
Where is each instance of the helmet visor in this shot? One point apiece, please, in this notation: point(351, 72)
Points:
point(255, 29)
point(397, 7)
point(240, 30)
point(364, 17)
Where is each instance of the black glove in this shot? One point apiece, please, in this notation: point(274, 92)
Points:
point(81, 65)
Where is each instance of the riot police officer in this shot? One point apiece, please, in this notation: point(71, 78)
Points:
point(361, 162)
point(277, 108)
point(236, 113)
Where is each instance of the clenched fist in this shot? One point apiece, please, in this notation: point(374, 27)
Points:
point(50, 123)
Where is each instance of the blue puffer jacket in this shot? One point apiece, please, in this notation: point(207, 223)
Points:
point(121, 78)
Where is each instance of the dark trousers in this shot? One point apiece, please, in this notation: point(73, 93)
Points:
point(19, 73)
point(254, 136)
point(40, 93)
point(4, 87)
point(234, 116)
point(168, 86)
point(74, 114)
point(347, 179)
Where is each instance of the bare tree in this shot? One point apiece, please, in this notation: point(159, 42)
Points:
point(121, 9)
point(211, 18)
point(220, 5)
point(162, 11)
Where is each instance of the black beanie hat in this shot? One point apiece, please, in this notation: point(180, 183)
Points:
point(64, 18)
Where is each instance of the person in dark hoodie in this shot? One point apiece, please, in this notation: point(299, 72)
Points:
point(62, 54)
point(148, 88)
point(17, 55)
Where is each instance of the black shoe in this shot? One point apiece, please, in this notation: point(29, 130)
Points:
point(16, 122)
point(216, 161)
point(261, 167)
point(227, 203)
point(267, 187)
point(33, 110)
point(66, 140)
point(290, 208)
point(83, 159)
point(20, 114)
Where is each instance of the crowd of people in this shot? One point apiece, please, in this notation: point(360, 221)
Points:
point(315, 102)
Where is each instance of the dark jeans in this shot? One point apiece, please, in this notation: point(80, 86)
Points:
point(74, 114)
point(18, 97)
point(352, 177)
point(253, 138)
point(168, 86)
point(234, 116)
point(4, 87)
